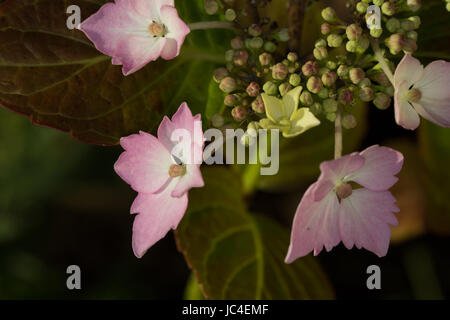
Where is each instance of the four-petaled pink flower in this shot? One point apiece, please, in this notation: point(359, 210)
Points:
point(332, 210)
point(424, 91)
point(162, 170)
point(135, 32)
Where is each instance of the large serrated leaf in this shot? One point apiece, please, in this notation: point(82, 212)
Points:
point(237, 255)
point(56, 77)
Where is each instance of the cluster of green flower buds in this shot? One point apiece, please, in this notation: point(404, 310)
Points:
point(250, 70)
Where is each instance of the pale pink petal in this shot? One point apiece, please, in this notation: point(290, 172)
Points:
point(157, 215)
point(144, 164)
point(112, 23)
point(405, 115)
point(191, 179)
point(177, 30)
point(170, 50)
point(380, 168)
point(315, 226)
point(437, 112)
point(409, 69)
point(364, 220)
point(190, 126)
point(135, 51)
point(334, 171)
point(435, 88)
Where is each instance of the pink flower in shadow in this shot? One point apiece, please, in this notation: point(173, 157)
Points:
point(332, 210)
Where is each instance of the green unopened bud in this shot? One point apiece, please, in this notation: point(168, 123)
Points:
point(253, 89)
point(365, 83)
point(258, 105)
point(382, 101)
point(329, 78)
point(414, 5)
point(306, 98)
point(376, 33)
point(351, 46)
point(310, 68)
point(320, 43)
point(237, 43)
point(366, 94)
point(314, 84)
point(334, 40)
point(292, 57)
point(329, 14)
point(413, 35)
point(284, 88)
point(416, 21)
point(396, 43)
point(230, 15)
point(211, 7)
point(388, 8)
point(231, 100)
point(270, 88)
point(256, 43)
point(239, 113)
point(265, 59)
point(407, 25)
point(363, 44)
point(349, 121)
point(229, 55)
point(227, 85)
point(220, 74)
point(378, 2)
point(382, 79)
point(331, 116)
point(410, 46)
point(323, 93)
point(255, 30)
point(280, 71)
point(331, 65)
point(345, 96)
point(240, 58)
point(283, 35)
point(330, 105)
point(342, 71)
point(294, 80)
point(325, 28)
point(217, 121)
point(320, 53)
point(361, 7)
point(316, 109)
point(356, 75)
point(393, 25)
point(354, 31)
point(447, 6)
point(269, 46)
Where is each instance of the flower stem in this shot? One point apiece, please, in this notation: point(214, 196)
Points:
point(380, 58)
point(205, 25)
point(338, 135)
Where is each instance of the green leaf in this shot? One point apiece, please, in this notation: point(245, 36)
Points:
point(300, 157)
point(56, 77)
point(434, 142)
point(237, 255)
point(215, 103)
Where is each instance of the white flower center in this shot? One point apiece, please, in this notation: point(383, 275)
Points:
point(156, 29)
